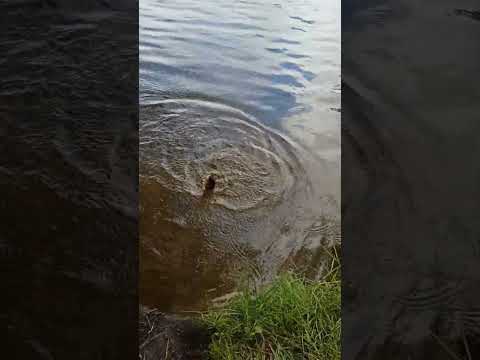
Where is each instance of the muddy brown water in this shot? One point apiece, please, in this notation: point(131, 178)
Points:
point(266, 206)
point(247, 94)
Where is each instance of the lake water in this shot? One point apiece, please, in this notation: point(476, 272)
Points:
point(246, 93)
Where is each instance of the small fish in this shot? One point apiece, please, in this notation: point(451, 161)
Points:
point(209, 185)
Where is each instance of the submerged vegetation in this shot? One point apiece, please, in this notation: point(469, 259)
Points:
point(292, 318)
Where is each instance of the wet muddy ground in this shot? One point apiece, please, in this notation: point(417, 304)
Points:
point(170, 337)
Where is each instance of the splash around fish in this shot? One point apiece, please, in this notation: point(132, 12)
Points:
point(212, 150)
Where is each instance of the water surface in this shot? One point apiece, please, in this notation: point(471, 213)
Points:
point(246, 92)
point(409, 140)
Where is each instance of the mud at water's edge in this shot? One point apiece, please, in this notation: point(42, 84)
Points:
point(171, 337)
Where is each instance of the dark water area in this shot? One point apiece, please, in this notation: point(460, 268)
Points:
point(410, 105)
point(68, 180)
point(246, 93)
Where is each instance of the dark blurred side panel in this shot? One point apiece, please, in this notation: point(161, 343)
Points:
point(410, 179)
point(68, 179)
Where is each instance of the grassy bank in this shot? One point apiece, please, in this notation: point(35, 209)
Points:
point(293, 318)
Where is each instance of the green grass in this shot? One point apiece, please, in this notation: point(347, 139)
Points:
point(292, 318)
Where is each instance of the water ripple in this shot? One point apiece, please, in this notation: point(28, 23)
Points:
point(229, 49)
point(239, 93)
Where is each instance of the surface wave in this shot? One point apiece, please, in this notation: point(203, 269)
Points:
point(186, 141)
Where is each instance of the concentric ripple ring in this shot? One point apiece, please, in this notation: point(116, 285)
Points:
point(184, 142)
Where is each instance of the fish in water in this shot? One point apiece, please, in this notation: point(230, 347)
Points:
point(210, 148)
point(217, 187)
point(209, 185)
